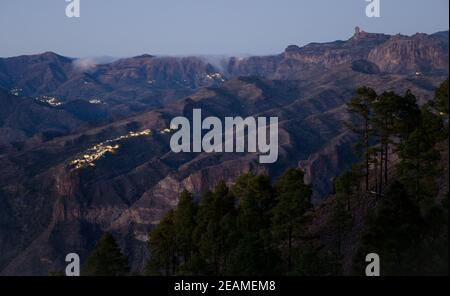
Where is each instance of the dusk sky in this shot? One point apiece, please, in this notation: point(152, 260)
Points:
point(183, 27)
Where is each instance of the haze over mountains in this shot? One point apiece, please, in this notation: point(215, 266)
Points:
point(54, 113)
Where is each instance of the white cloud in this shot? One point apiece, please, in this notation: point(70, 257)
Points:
point(85, 64)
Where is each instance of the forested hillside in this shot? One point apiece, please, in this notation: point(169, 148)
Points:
point(394, 202)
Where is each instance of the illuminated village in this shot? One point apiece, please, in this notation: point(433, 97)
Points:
point(94, 153)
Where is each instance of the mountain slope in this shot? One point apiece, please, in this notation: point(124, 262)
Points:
point(128, 177)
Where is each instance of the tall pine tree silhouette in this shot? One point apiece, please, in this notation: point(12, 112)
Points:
point(106, 259)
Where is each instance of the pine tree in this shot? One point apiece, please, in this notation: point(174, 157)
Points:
point(419, 157)
point(394, 232)
point(340, 222)
point(360, 105)
point(440, 104)
point(184, 225)
point(441, 101)
point(254, 253)
point(215, 229)
point(383, 120)
point(346, 187)
point(394, 118)
point(308, 261)
point(106, 259)
point(293, 200)
point(163, 248)
point(405, 113)
point(256, 200)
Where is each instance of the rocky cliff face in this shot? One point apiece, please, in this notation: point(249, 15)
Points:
point(59, 194)
point(418, 53)
point(391, 54)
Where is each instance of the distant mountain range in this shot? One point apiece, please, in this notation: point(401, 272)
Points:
point(56, 111)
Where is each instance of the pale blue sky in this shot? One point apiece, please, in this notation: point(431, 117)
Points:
point(182, 27)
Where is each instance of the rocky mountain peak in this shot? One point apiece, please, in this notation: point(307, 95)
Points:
point(292, 48)
point(361, 36)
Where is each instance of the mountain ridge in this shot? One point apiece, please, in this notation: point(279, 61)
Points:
point(55, 208)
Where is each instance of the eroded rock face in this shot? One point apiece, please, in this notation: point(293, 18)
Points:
point(402, 54)
point(48, 208)
point(391, 54)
